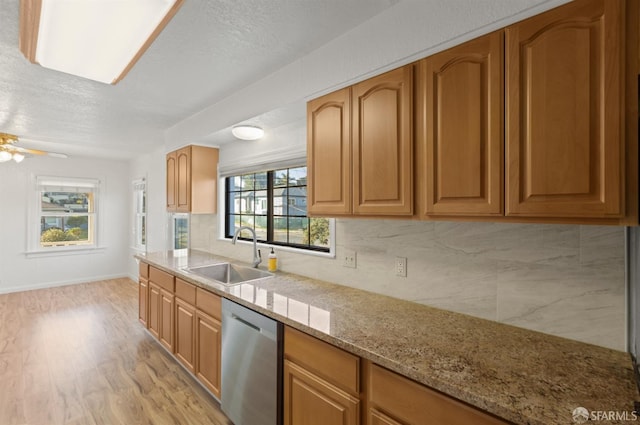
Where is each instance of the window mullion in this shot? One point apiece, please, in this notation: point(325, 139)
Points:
point(270, 223)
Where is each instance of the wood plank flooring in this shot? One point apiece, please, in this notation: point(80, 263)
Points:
point(78, 355)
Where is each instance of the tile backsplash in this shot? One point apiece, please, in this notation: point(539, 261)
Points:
point(566, 280)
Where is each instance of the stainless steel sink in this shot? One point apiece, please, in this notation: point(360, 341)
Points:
point(229, 274)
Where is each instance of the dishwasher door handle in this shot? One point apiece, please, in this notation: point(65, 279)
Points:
point(249, 324)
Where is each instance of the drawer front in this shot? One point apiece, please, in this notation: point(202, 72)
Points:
point(163, 279)
point(413, 403)
point(209, 303)
point(186, 291)
point(330, 363)
point(143, 270)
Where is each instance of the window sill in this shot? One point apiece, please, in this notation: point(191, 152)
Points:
point(62, 251)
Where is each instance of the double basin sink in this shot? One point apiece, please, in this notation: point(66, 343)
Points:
point(228, 274)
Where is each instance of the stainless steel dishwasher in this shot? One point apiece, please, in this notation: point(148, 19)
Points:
point(251, 366)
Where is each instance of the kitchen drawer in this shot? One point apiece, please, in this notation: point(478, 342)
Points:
point(412, 403)
point(330, 363)
point(209, 303)
point(186, 291)
point(144, 270)
point(163, 279)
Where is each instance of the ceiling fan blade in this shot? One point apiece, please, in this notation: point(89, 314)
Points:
point(39, 152)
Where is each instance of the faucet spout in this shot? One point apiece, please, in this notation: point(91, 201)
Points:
point(257, 258)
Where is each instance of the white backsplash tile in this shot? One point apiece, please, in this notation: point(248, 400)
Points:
point(565, 280)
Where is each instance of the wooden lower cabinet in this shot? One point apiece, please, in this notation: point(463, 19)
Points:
point(376, 417)
point(166, 319)
point(143, 300)
point(208, 350)
point(153, 321)
point(185, 333)
point(186, 320)
point(311, 400)
point(143, 293)
point(321, 382)
point(394, 399)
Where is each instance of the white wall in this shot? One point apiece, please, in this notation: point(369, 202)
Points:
point(17, 272)
point(152, 168)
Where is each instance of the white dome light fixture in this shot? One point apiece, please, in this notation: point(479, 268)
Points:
point(5, 156)
point(17, 157)
point(247, 132)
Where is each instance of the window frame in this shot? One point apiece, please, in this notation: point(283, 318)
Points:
point(226, 225)
point(40, 184)
point(140, 207)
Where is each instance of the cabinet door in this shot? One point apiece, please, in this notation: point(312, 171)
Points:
point(208, 345)
point(310, 400)
point(154, 309)
point(564, 142)
point(462, 162)
point(414, 404)
point(378, 418)
point(171, 181)
point(143, 300)
point(166, 319)
point(329, 153)
point(185, 333)
point(183, 179)
point(383, 144)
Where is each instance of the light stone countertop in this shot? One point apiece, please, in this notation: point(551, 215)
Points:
point(523, 376)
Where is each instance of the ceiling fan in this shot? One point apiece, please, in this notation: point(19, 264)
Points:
point(9, 151)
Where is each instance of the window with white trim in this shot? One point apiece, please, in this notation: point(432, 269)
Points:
point(66, 212)
point(140, 214)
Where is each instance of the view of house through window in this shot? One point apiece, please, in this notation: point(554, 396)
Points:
point(66, 212)
point(274, 204)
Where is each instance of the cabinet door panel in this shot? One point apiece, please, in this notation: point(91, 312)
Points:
point(171, 181)
point(185, 333)
point(310, 400)
point(383, 144)
point(208, 340)
point(328, 153)
point(564, 146)
point(143, 300)
point(166, 319)
point(154, 310)
point(464, 129)
point(379, 418)
point(183, 181)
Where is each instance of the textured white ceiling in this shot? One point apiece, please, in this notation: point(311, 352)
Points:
point(210, 49)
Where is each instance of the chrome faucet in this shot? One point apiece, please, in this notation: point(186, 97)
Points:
point(257, 258)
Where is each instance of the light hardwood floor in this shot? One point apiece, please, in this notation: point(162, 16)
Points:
point(78, 355)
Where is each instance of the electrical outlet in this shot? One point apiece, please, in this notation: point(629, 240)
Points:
point(401, 266)
point(349, 258)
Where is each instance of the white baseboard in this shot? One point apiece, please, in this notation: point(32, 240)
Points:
point(44, 285)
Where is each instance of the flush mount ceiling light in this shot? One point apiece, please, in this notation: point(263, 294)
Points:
point(96, 39)
point(247, 132)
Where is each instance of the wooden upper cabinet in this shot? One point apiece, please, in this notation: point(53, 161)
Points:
point(565, 147)
point(192, 184)
point(171, 181)
point(329, 153)
point(382, 144)
point(461, 165)
point(183, 180)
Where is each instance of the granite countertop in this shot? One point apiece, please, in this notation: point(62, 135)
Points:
point(523, 376)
